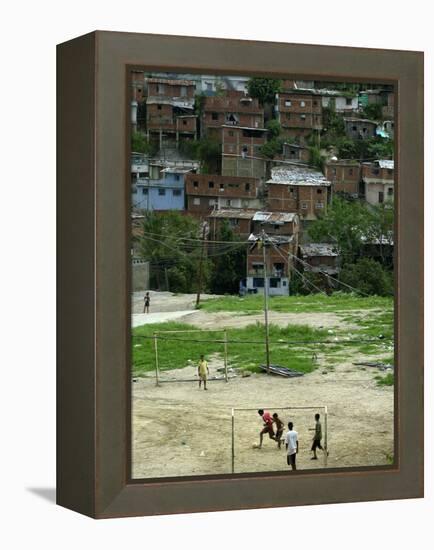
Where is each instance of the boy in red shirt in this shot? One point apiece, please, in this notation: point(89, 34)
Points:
point(268, 426)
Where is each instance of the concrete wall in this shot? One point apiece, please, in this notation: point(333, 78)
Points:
point(140, 275)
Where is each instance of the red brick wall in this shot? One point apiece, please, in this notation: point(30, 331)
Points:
point(233, 187)
point(372, 171)
point(160, 118)
point(170, 90)
point(345, 177)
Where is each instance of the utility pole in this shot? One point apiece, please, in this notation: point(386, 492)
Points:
point(202, 254)
point(267, 334)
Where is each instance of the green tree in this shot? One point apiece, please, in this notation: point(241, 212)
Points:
point(227, 269)
point(368, 276)
point(372, 111)
point(165, 243)
point(274, 128)
point(344, 224)
point(264, 89)
point(139, 144)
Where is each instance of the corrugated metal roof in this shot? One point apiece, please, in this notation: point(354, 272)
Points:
point(274, 217)
point(233, 213)
point(171, 82)
point(318, 249)
point(297, 176)
point(390, 164)
point(275, 239)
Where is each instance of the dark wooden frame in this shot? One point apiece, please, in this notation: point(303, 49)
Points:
point(93, 376)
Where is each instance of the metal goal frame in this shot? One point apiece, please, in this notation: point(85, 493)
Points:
point(313, 408)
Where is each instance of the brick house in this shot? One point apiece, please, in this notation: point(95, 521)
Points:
point(295, 153)
point(320, 258)
point(170, 109)
point(279, 261)
point(301, 190)
point(282, 232)
point(299, 113)
point(234, 108)
point(344, 176)
point(239, 220)
point(206, 192)
point(360, 128)
point(378, 180)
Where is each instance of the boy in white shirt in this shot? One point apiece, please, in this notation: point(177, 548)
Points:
point(291, 443)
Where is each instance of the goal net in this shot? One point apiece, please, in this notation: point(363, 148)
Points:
point(177, 354)
point(247, 425)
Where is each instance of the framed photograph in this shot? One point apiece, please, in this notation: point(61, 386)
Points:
point(240, 274)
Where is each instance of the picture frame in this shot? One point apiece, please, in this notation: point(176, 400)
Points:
point(93, 363)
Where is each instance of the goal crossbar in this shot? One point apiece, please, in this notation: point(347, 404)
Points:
point(246, 409)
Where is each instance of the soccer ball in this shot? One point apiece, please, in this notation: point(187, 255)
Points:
point(255, 446)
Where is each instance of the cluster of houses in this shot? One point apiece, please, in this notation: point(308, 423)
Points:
point(250, 192)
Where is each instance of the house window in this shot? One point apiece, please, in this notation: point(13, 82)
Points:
point(276, 227)
point(319, 205)
point(228, 202)
point(375, 171)
point(257, 267)
point(380, 197)
point(304, 205)
point(144, 191)
point(315, 103)
point(211, 184)
point(231, 133)
point(291, 190)
point(302, 104)
point(350, 171)
point(162, 192)
point(183, 91)
point(214, 116)
point(160, 88)
point(365, 130)
point(274, 282)
point(233, 222)
point(319, 191)
point(222, 186)
point(354, 128)
point(303, 117)
point(176, 177)
point(247, 186)
point(196, 201)
point(159, 107)
point(209, 86)
point(184, 122)
point(177, 192)
point(288, 103)
point(390, 191)
point(258, 282)
point(196, 184)
point(348, 101)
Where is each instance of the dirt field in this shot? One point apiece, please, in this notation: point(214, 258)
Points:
point(181, 430)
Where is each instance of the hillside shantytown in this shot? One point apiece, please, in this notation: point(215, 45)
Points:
point(262, 272)
point(230, 159)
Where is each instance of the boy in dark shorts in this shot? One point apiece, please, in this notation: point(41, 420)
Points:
point(147, 303)
point(268, 426)
point(279, 429)
point(316, 441)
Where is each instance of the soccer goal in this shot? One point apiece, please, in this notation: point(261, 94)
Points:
point(167, 352)
point(245, 427)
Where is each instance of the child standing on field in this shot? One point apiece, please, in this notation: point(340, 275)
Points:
point(202, 371)
point(279, 429)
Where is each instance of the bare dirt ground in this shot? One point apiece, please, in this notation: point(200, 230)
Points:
point(179, 430)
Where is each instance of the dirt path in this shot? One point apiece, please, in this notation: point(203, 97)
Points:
point(179, 430)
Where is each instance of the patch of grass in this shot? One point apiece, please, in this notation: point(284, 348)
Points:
point(246, 349)
point(338, 301)
point(387, 380)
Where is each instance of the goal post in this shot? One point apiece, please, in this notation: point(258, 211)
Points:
point(161, 335)
point(314, 409)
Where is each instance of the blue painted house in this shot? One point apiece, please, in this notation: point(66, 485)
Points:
point(164, 193)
